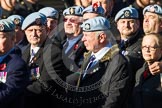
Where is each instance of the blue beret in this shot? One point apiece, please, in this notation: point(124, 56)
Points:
point(96, 24)
point(17, 19)
point(153, 9)
point(35, 18)
point(6, 25)
point(50, 12)
point(94, 9)
point(127, 13)
point(74, 10)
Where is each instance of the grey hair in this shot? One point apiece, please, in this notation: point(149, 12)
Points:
point(109, 36)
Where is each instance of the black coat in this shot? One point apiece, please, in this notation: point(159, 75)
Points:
point(12, 91)
point(51, 67)
point(147, 92)
point(106, 84)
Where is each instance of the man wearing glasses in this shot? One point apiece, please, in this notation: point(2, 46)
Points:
point(73, 48)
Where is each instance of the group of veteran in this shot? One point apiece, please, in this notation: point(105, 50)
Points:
point(87, 67)
point(28, 73)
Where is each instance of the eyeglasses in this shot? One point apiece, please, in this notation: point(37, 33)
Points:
point(150, 48)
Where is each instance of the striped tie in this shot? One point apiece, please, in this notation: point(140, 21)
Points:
point(92, 58)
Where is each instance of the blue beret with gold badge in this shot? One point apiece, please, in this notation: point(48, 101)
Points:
point(127, 13)
point(17, 19)
point(96, 24)
point(50, 12)
point(6, 25)
point(74, 10)
point(153, 9)
point(35, 18)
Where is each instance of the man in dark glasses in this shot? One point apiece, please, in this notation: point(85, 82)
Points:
point(73, 48)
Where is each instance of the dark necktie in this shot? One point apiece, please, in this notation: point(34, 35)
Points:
point(92, 58)
point(32, 55)
point(66, 46)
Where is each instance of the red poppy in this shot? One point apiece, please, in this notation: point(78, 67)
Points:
point(95, 5)
point(76, 46)
point(146, 73)
point(2, 67)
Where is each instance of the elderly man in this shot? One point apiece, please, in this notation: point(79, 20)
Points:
point(128, 24)
point(104, 81)
point(73, 48)
point(14, 74)
point(45, 61)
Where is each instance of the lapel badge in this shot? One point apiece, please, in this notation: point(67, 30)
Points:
point(72, 10)
point(1, 27)
point(87, 26)
point(127, 14)
point(38, 21)
point(16, 21)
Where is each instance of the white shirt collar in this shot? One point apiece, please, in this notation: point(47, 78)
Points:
point(102, 52)
point(35, 49)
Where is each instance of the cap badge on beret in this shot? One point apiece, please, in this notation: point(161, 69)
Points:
point(72, 10)
point(152, 8)
point(1, 27)
point(16, 21)
point(38, 21)
point(87, 26)
point(127, 13)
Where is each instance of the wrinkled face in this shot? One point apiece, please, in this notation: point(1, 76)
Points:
point(90, 41)
point(87, 16)
point(127, 27)
point(151, 23)
point(72, 25)
point(51, 24)
point(36, 34)
point(6, 42)
point(150, 49)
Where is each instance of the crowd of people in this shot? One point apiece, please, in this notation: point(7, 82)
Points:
point(93, 54)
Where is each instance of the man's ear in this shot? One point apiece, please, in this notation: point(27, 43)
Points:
point(102, 37)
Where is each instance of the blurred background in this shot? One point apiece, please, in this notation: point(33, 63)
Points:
point(58, 4)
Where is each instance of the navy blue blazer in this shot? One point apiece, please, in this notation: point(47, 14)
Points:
point(14, 77)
